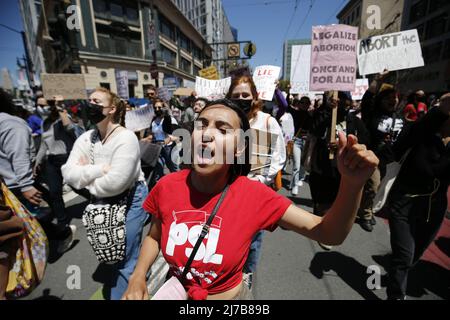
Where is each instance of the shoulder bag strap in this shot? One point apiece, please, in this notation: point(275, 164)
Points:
point(205, 231)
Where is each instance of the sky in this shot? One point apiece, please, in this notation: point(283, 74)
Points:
point(264, 22)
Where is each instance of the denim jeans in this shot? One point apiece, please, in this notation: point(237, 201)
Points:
point(166, 159)
point(297, 172)
point(136, 218)
point(254, 253)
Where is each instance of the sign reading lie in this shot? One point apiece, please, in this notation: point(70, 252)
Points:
point(394, 51)
point(265, 78)
point(333, 58)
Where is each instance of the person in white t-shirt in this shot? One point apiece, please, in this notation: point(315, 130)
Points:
point(106, 161)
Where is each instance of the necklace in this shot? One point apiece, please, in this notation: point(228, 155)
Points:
point(109, 134)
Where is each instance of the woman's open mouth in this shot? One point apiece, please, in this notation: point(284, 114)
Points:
point(204, 155)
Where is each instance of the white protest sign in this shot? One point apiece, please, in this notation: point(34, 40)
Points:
point(394, 51)
point(362, 85)
point(265, 78)
point(122, 84)
point(139, 119)
point(70, 86)
point(301, 71)
point(212, 89)
point(333, 58)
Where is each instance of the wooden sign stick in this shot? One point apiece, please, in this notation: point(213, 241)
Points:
point(333, 125)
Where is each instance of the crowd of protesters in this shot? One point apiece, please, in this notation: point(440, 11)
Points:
point(85, 146)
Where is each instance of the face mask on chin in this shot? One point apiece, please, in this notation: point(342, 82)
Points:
point(44, 111)
point(95, 113)
point(244, 105)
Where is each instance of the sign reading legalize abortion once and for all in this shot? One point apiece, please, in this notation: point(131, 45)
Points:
point(139, 119)
point(394, 51)
point(70, 86)
point(333, 58)
point(265, 78)
point(212, 89)
point(209, 73)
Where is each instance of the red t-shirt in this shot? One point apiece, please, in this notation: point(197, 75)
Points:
point(410, 112)
point(248, 207)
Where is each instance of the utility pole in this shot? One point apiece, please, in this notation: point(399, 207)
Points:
point(28, 62)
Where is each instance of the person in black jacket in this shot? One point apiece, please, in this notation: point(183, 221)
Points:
point(162, 127)
point(417, 202)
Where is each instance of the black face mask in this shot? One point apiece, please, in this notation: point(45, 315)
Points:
point(94, 113)
point(245, 105)
point(158, 113)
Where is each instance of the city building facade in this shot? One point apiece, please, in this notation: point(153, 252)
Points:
point(116, 36)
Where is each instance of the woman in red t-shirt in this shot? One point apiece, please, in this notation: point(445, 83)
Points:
point(181, 202)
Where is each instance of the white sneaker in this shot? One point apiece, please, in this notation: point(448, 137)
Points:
point(247, 278)
point(294, 191)
point(300, 183)
point(65, 244)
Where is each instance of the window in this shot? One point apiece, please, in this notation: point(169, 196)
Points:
point(132, 15)
point(100, 6)
point(167, 28)
point(196, 70)
point(116, 10)
point(432, 53)
point(197, 53)
point(104, 43)
point(418, 11)
point(436, 26)
point(105, 85)
point(168, 56)
point(119, 42)
point(184, 43)
point(437, 4)
point(185, 65)
point(446, 54)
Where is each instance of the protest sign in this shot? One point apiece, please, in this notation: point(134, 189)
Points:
point(333, 58)
point(164, 94)
point(70, 86)
point(139, 119)
point(265, 78)
point(122, 84)
point(212, 89)
point(209, 73)
point(394, 51)
point(301, 71)
point(362, 85)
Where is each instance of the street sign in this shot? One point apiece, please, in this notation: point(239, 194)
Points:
point(250, 49)
point(151, 36)
point(234, 50)
point(154, 70)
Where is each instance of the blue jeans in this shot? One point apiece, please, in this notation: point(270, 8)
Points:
point(166, 159)
point(254, 253)
point(136, 218)
point(297, 172)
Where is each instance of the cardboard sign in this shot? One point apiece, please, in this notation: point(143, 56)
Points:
point(70, 86)
point(139, 119)
point(212, 89)
point(362, 85)
point(394, 51)
point(122, 84)
point(209, 73)
point(333, 58)
point(264, 78)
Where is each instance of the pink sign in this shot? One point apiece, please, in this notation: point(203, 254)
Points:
point(333, 58)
